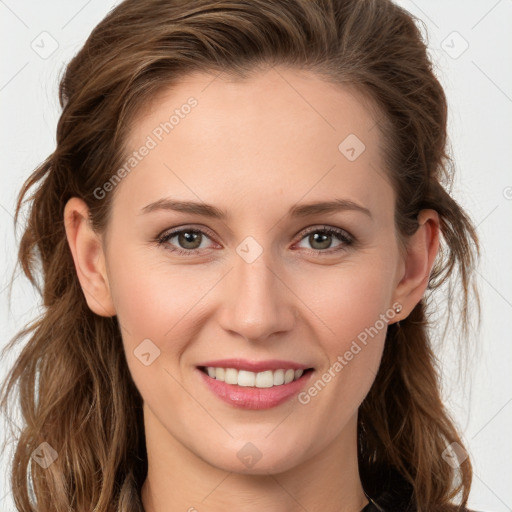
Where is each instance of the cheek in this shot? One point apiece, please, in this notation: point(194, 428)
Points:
point(161, 308)
point(353, 346)
point(152, 303)
point(348, 299)
point(152, 299)
point(352, 305)
point(153, 309)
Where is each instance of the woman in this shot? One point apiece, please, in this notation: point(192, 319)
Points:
point(198, 351)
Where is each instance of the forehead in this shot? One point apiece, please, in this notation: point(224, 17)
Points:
point(279, 131)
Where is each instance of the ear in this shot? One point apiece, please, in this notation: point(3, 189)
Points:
point(88, 255)
point(421, 251)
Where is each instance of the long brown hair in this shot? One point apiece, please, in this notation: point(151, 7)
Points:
point(75, 389)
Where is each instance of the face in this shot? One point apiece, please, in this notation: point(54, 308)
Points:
point(255, 282)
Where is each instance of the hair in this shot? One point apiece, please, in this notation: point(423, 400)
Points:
point(75, 390)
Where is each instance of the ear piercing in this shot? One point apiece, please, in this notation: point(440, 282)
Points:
point(397, 310)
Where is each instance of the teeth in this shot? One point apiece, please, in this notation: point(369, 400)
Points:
point(278, 377)
point(231, 376)
point(266, 379)
point(288, 376)
point(246, 379)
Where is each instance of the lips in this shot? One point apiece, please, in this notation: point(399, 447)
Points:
point(254, 384)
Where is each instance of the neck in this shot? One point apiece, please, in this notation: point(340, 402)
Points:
point(179, 480)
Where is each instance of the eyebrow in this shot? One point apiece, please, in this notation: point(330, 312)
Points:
point(208, 210)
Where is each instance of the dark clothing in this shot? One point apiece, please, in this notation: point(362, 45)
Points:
point(388, 502)
point(388, 491)
point(371, 508)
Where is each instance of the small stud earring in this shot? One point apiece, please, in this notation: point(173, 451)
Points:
point(398, 309)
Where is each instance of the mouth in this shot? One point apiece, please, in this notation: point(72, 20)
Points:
point(262, 388)
point(262, 380)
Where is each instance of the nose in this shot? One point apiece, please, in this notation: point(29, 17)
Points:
point(257, 301)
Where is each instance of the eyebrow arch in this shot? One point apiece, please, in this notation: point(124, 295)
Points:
point(208, 210)
point(335, 205)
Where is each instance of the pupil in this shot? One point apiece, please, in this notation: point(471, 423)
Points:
point(324, 241)
point(188, 237)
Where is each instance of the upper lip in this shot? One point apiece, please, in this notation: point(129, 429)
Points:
point(255, 366)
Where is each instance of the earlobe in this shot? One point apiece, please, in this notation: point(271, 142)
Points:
point(87, 250)
point(422, 248)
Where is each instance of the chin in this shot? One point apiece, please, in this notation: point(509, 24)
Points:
point(257, 457)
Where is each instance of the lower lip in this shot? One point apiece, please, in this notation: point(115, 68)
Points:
point(252, 397)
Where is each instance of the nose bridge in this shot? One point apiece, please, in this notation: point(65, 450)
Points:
point(259, 304)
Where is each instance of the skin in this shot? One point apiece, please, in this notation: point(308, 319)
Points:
point(270, 139)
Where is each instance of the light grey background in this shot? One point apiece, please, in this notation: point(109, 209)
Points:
point(478, 82)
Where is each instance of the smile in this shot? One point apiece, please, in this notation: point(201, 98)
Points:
point(254, 385)
point(245, 378)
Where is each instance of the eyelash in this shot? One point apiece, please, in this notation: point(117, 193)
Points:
point(342, 235)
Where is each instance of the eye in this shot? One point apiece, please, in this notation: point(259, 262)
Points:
point(321, 238)
point(188, 242)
